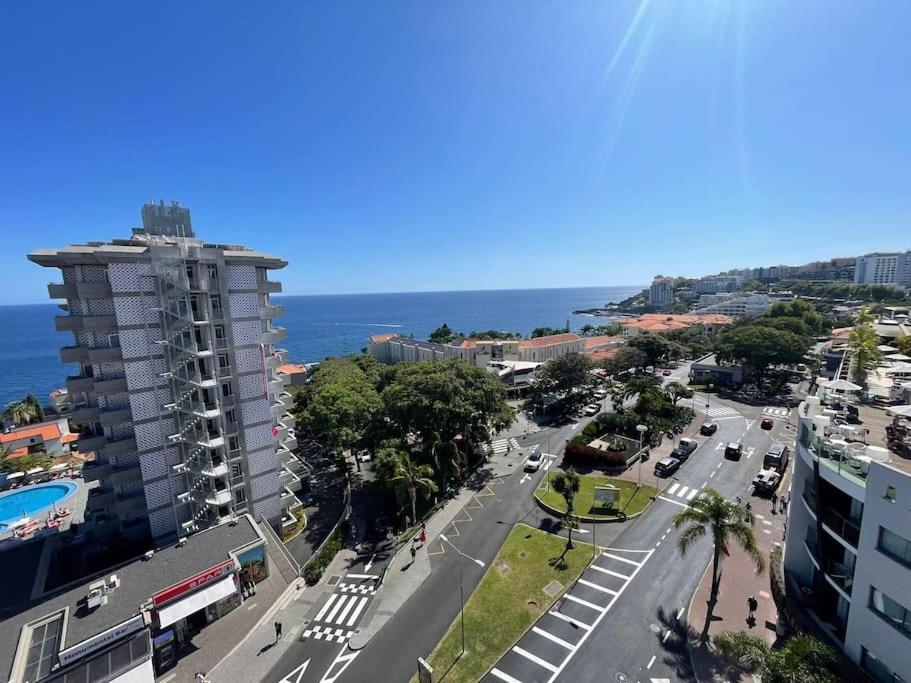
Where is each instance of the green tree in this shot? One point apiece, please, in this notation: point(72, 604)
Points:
point(448, 398)
point(448, 462)
point(903, 344)
point(567, 485)
point(802, 658)
point(655, 347)
point(495, 335)
point(443, 334)
point(412, 480)
point(625, 359)
point(675, 391)
point(816, 323)
point(710, 514)
point(23, 412)
point(650, 397)
point(741, 651)
point(548, 331)
point(758, 348)
point(565, 378)
point(862, 343)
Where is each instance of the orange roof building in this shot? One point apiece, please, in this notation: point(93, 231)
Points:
point(51, 436)
point(664, 322)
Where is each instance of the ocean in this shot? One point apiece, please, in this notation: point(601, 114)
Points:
point(318, 326)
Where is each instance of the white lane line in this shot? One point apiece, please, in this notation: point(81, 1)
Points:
point(674, 487)
point(675, 502)
point(543, 663)
point(551, 637)
point(570, 620)
point(650, 662)
point(597, 587)
point(504, 677)
point(610, 571)
point(668, 530)
point(666, 636)
point(711, 475)
point(361, 576)
point(657, 544)
point(326, 607)
point(680, 614)
point(338, 606)
point(622, 559)
point(693, 493)
point(585, 603)
point(628, 550)
point(357, 611)
point(683, 491)
point(344, 612)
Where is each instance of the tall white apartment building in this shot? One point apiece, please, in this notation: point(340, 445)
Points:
point(661, 293)
point(747, 306)
point(848, 546)
point(176, 385)
point(883, 268)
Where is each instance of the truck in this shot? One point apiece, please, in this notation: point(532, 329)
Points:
point(766, 481)
point(776, 457)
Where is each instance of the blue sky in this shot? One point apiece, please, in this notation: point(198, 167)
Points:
point(428, 146)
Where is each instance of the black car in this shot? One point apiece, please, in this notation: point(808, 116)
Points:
point(666, 466)
point(733, 450)
point(708, 428)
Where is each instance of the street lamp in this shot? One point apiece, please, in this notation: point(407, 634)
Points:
point(461, 589)
point(642, 429)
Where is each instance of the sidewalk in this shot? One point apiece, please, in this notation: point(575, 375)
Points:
point(738, 583)
point(659, 452)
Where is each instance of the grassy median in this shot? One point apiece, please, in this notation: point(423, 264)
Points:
point(632, 500)
point(509, 599)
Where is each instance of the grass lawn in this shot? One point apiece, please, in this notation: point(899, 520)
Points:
point(506, 602)
point(631, 500)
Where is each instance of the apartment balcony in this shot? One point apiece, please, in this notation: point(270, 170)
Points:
point(115, 417)
point(837, 457)
point(289, 479)
point(289, 502)
point(86, 414)
point(269, 287)
point(120, 446)
point(135, 502)
point(100, 499)
point(110, 386)
point(273, 336)
point(841, 576)
point(69, 323)
point(94, 470)
point(290, 442)
point(218, 497)
point(83, 354)
point(76, 384)
point(202, 284)
point(125, 475)
point(215, 471)
point(286, 399)
point(74, 354)
point(848, 530)
point(210, 441)
point(272, 362)
point(79, 290)
point(91, 442)
point(270, 311)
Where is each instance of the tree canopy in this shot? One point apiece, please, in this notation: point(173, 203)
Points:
point(564, 379)
point(548, 331)
point(758, 347)
point(816, 323)
point(655, 347)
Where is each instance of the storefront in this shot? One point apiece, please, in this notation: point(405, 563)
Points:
point(182, 610)
point(253, 563)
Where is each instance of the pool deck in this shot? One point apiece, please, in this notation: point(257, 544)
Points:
point(76, 502)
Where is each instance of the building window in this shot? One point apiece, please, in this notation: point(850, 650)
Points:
point(895, 546)
point(219, 331)
point(213, 271)
point(876, 668)
point(230, 416)
point(223, 360)
point(226, 389)
point(42, 644)
point(233, 444)
point(216, 302)
point(892, 612)
point(240, 496)
point(890, 493)
point(236, 470)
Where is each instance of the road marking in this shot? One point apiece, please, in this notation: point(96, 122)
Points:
point(622, 559)
point(357, 611)
point(585, 603)
point(627, 550)
point(609, 571)
point(597, 587)
point(675, 502)
point(550, 636)
point(168, 678)
point(252, 605)
point(543, 663)
point(674, 488)
point(338, 606)
point(658, 543)
point(650, 662)
point(525, 478)
point(693, 493)
point(680, 614)
point(683, 491)
point(361, 576)
point(712, 474)
point(728, 417)
point(666, 636)
point(504, 677)
point(344, 613)
point(570, 620)
point(763, 594)
point(299, 671)
point(328, 604)
point(370, 563)
point(574, 426)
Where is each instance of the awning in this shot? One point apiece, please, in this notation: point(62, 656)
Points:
point(59, 466)
point(203, 598)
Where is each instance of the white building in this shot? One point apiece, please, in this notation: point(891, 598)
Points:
point(661, 293)
point(391, 348)
point(176, 383)
point(884, 268)
point(749, 306)
point(848, 545)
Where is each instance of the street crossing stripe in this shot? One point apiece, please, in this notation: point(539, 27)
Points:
point(597, 587)
point(570, 620)
point(692, 494)
point(609, 571)
point(621, 559)
point(504, 677)
point(357, 611)
point(534, 658)
point(559, 641)
point(674, 487)
point(344, 612)
point(683, 491)
point(338, 606)
point(329, 602)
point(586, 603)
point(361, 576)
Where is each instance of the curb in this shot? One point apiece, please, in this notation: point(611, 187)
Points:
point(584, 518)
point(689, 643)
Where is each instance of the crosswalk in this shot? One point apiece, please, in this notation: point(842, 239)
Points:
point(772, 411)
point(337, 617)
point(719, 412)
point(500, 446)
point(683, 492)
point(544, 650)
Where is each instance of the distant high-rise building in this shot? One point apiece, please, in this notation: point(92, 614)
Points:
point(176, 387)
point(661, 293)
point(884, 268)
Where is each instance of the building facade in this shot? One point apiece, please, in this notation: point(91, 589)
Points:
point(661, 293)
point(176, 385)
point(848, 545)
point(883, 268)
point(391, 348)
point(749, 306)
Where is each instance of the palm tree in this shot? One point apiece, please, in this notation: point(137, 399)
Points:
point(413, 479)
point(21, 412)
point(567, 485)
point(741, 651)
point(712, 513)
point(649, 393)
point(447, 460)
point(862, 343)
point(675, 391)
point(802, 659)
point(6, 464)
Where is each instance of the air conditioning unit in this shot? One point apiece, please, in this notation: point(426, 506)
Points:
point(149, 554)
point(96, 598)
point(113, 582)
point(181, 542)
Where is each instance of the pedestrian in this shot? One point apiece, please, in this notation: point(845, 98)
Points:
point(414, 553)
point(774, 502)
point(423, 535)
point(786, 501)
point(278, 631)
point(201, 678)
point(752, 605)
point(781, 505)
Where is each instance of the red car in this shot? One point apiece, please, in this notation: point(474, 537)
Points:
point(766, 423)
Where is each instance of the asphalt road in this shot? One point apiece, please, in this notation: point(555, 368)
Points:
point(626, 622)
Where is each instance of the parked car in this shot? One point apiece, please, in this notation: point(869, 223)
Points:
point(533, 464)
point(688, 444)
point(666, 373)
point(708, 428)
point(600, 394)
point(766, 481)
point(776, 457)
point(666, 466)
point(592, 409)
point(733, 450)
point(766, 423)
point(680, 454)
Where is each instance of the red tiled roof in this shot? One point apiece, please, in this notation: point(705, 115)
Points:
point(662, 322)
point(601, 354)
point(601, 340)
point(47, 432)
point(380, 338)
point(69, 438)
point(550, 340)
point(291, 368)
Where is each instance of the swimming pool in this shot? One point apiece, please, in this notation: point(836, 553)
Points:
point(31, 500)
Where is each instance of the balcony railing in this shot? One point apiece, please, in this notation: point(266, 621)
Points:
point(840, 574)
point(834, 457)
point(846, 529)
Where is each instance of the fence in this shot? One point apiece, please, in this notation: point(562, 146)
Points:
point(346, 512)
point(283, 551)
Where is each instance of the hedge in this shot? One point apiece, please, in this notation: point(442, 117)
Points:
point(580, 454)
